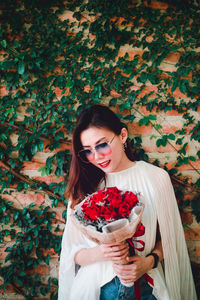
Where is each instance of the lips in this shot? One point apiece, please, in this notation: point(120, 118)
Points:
point(104, 164)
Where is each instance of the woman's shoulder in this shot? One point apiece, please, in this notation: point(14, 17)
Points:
point(150, 169)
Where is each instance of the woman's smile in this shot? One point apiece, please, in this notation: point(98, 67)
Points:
point(104, 164)
point(113, 157)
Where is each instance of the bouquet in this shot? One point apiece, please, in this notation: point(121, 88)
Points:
point(110, 215)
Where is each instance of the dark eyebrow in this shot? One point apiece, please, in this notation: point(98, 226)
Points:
point(97, 142)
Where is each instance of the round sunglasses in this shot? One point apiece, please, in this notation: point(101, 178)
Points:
point(87, 155)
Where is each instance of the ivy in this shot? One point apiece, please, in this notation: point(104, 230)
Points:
point(59, 57)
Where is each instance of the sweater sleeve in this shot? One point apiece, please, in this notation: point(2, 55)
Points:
point(72, 242)
point(178, 272)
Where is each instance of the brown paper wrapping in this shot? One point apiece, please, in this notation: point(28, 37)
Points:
point(113, 237)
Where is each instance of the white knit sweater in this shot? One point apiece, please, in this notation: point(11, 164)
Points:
point(176, 283)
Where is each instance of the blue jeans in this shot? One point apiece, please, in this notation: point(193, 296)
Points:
point(114, 290)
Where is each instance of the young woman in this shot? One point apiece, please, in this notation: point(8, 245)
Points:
point(88, 271)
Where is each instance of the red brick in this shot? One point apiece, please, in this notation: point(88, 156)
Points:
point(44, 297)
point(42, 270)
point(189, 76)
point(170, 38)
point(147, 90)
point(3, 254)
point(68, 15)
point(113, 93)
point(51, 252)
point(3, 91)
point(59, 93)
point(171, 128)
point(3, 55)
point(118, 70)
point(188, 196)
point(152, 148)
point(168, 67)
point(195, 164)
point(186, 217)
point(119, 20)
point(146, 112)
point(87, 88)
point(25, 199)
point(134, 128)
point(29, 165)
point(59, 57)
point(7, 239)
point(9, 289)
point(91, 37)
point(59, 218)
point(173, 57)
point(50, 179)
point(156, 4)
point(173, 112)
point(150, 38)
point(198, 251)
point(192, 234)
point(177, 94)
point(156, 111)
point(63, 147)
point(131, 53)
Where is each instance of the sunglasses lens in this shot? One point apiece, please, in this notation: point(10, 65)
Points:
point(86, 155)
point(102, 148)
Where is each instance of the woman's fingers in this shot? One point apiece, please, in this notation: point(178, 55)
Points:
point(132, 271)
point(115, 251)
point(126, 275)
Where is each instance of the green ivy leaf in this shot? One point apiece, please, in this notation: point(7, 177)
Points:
point(171, 136)
point(55, 281)
point(16, 215)
point(34, 148)
point(40, 145)
point(20, 68)
point(4, 43)
point(192, 158)
point(125, 105)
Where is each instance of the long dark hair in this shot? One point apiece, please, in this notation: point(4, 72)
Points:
point(84, 178)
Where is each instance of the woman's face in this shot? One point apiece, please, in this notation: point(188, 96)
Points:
point(104, 148)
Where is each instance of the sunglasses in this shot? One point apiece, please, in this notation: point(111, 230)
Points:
point(87, 155)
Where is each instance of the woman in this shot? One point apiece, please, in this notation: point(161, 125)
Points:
point(102, 158)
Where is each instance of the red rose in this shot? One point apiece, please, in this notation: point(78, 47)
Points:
point(124, 210)
point(108, 204)
point(108, 213)
point(131, 198)
point(91, 212)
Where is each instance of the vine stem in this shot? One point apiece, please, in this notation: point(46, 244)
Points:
point(198, 172)
point(26, 179)
point(185, 184)
point(30, 181)
point(44, 138)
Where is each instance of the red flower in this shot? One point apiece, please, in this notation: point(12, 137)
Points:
point(91, 212)
point(108, 205)
point(108, 214)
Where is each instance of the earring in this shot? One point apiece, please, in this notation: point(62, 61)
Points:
point(125, 146)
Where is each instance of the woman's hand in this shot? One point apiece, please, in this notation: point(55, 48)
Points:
point(115, 251)
point(137, 266)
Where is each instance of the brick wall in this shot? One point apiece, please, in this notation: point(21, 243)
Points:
point(170, 121)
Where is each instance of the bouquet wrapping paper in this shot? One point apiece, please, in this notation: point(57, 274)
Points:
point(121, 222)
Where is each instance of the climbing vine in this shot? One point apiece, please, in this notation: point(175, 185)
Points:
point(58, 57)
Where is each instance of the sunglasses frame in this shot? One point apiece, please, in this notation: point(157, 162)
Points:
point(94, 149)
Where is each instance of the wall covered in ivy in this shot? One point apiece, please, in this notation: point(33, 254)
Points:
point(141, 58)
